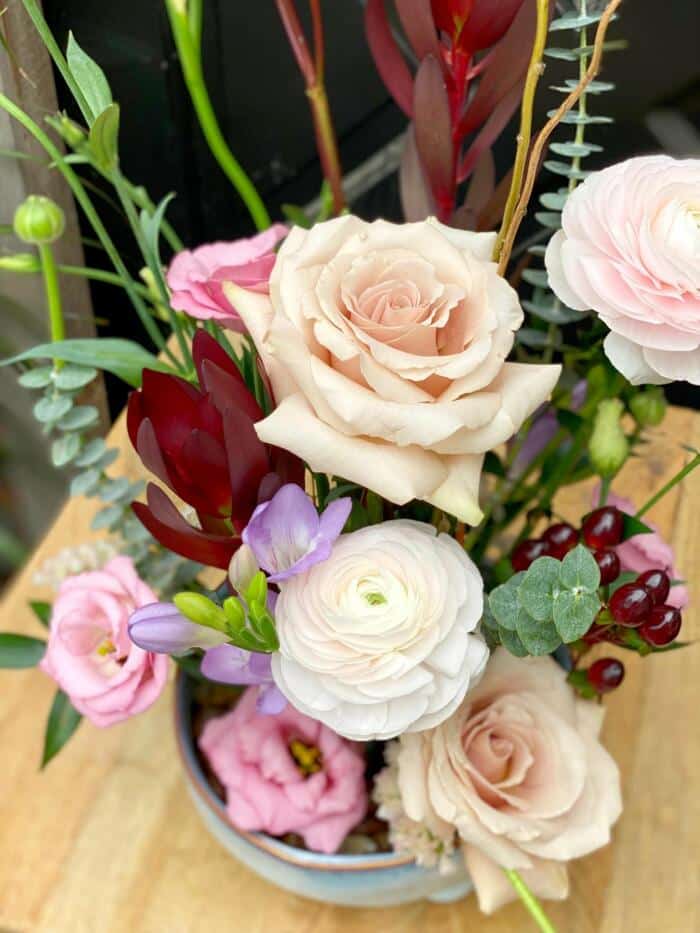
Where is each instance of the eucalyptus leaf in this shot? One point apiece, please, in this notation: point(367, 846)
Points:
point(539, 588)
point(537, 277)
point(80, 418)
point(89, 77)
point(574, 613)
point(84, 483)
point(512, 643)
point(113, 489)
point(18, 651)
point(107, 518)
point(49, 409)
point(91, 453)
point(504, 603)
point(539, 638)
point(553, 313)
point(548, 219)
point(125, 358)
point(71, 377)
point(37, 378)
point(574, 150)
point(63, 720)
point(64, 449)
point(580, 571)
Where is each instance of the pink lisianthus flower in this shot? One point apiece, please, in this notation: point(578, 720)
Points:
point(286, 774)
point(195, 276)
point(89, 653)
point(648, 552)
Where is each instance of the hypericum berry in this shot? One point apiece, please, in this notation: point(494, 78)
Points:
point(606, 674)
point(559, 539)
point(662, 626)
point(630, 605)
point(608, 564)
point(657, 584)
point(603, 528)
point(526, 552)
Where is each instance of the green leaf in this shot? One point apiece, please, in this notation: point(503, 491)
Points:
point(553, 313)
point(37, 378)
point(375, 508)
point(104, 138)
point(113, 489)
point(72, 377)
point(107, 518)
point(18, 651)
point(512, 643)
point(570, 420)
point(296, 215)
point(42, 610)
point(151, 224)
point(574, 613)
point(64, 449)
point(125, 358)
point(580, 571)
point(627, 576)
point(504, 603)
point(80, 418)
point(47, 409)
point(538, 637)
point(539, 588)
point(84, 483)
point(632, 526)
point(91, 453)
point(63, 720)
point(89, 77)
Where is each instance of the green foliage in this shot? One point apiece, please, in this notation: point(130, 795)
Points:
point(42, 611)
point(551, 603)
point(18, 651)
point(89, 77)
point(63, 720)
point(104, 139)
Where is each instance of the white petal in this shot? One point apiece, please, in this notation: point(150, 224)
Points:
point(629, 359)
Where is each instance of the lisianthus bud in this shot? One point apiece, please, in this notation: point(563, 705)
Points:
point(71, 132)
point(20, 262)
point(649, 407)
point(39, 220)
point(608, 447)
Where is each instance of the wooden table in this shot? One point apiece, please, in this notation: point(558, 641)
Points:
point(106, 841)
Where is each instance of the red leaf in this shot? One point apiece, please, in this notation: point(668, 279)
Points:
point(134, 415)
point(418, 24)
point(489, 133)
point(149, 451)
point(416, 200)
point(488, 22)
point(451, 14)
point(433, 129)
point(388, 59)
point(203, 462)
point(248, 462)
point(224, 390)
point(205, 347)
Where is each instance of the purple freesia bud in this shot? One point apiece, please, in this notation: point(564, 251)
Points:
point(231, 665)
point(543, 429)
point(161, 628)
point(287, 535)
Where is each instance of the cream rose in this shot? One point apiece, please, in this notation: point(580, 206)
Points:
point(385, 345)
point(629, 248)
point(380, 638)
point(520, 772)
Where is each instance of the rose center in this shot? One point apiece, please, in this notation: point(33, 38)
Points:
point(307, 758)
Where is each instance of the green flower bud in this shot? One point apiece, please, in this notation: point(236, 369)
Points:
point(20, 262)
point(649, 407)
point(72, 132)
point(198, 608)
point(39, 220)
point(608, 447)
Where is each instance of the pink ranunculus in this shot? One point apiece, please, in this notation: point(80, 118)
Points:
point(286, 773)
point(90, 655)
point(648, 552)
point(520, 773)
point(629, 248)
point(386, 345)
point(195, 276)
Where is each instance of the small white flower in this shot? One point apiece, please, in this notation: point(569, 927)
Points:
point(381, 638)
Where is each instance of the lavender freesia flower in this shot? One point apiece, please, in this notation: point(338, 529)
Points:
point(287, 535)
point(543, 429)
point(231, 665)
point(161, 628)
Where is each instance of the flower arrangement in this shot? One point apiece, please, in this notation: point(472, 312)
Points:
point(356, 432)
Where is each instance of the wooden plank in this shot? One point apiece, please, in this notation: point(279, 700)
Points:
point(106, 840)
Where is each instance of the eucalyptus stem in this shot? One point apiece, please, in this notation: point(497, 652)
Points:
point(680, 475)
point(534, 72)
point(93, 217)
point(188, 51)
point(529, 900)
point(53, 296)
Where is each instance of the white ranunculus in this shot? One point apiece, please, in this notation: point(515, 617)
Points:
point(381, 638)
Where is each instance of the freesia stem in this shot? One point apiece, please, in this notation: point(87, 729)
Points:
point(53, 297)
point(186, 41)
point(534, 72)
point(533, 906)
point(680, 475)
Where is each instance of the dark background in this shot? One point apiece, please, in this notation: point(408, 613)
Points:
point(258, 96)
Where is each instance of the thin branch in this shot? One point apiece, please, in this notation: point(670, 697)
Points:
point(319, 50)
point(297, 40)
point(542, 139)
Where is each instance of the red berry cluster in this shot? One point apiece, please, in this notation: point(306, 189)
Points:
point(640, 604)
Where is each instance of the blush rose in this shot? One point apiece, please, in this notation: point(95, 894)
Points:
point(629, 248)
point(386, 347)
point(89, 653)
point(519, 771)
point(286, 773)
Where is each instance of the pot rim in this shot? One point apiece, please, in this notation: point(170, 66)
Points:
point(302, 858)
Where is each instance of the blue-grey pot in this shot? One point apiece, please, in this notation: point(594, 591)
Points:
point(374, 880)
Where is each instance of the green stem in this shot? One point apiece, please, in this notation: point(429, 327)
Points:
point(102, 275)
point(680, 475)
point(533, 906)
point(93, 217)
point(53, 296)
point(190, 60)
point(580, 135)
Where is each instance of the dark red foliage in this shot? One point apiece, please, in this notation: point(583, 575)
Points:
point(481, 49)
point(201, 443)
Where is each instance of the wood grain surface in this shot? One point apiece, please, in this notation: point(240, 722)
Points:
point(106, 841)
